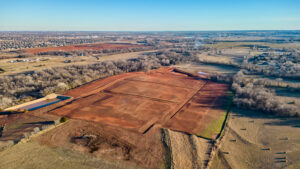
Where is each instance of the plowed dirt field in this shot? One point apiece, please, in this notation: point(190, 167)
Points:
point(138, 101)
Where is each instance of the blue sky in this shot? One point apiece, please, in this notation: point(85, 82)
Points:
point(149, 15)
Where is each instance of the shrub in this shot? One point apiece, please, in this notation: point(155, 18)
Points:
point(2, 70)
point(36, 130)
point(63, 119)
point(26, 135)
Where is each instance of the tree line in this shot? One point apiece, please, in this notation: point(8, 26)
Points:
point(259, 98)
point(19, 88)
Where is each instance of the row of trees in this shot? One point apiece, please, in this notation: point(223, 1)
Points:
point(221, 62)
point(259, 98)
point(93, 52)
point(18, 88)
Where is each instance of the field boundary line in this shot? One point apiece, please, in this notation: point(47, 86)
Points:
point(150, 98)
point(99, 89)
point(189, 99)
point(217, 144)
point(159, 83)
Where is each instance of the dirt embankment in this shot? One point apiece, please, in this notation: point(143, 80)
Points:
point(185, 151)
point(108, 142)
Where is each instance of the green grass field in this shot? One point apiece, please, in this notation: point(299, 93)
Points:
point(217, 126)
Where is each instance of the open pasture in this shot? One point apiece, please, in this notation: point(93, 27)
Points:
point(97, 46)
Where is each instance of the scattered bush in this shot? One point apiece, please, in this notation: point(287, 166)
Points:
point(259, 98)
point(223, 78)
point(2, 70)
point(26, 135)
point(63, 119)
point(45, 127)
point(36, 130)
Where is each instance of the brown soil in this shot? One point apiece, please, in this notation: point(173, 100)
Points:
point(140, 100)
point(105, 141)
point(16, 125)
point(98, 46)
point(205, 107)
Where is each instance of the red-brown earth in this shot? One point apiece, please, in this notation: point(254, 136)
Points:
point(140, 100)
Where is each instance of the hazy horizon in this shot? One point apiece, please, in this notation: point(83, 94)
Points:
point(149, 15)
point(229, 30)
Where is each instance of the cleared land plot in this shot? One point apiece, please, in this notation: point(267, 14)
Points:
point(202, 111)
point(221, 58)
point(153, 91)
point(140, 100)
point(209, 68)
point(169, 79)
point(99, 46)
point(116, 109)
